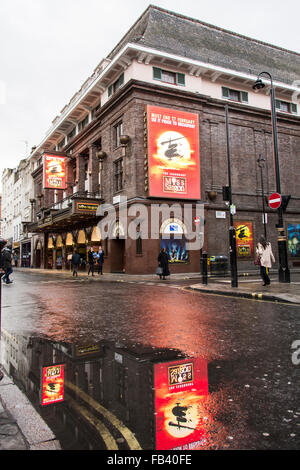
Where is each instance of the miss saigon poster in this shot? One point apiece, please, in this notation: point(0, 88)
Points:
point(173, 153)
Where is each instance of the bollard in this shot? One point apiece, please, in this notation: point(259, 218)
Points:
point(204, 267)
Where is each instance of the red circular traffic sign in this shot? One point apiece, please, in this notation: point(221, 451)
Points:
point(275, 200)
point(197, 220)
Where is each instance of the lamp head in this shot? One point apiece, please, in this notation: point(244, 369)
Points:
point(258, 85)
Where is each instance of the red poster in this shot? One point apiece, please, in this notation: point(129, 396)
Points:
point(54, 172)
point(53, 384)
point(173, 153)
point(179, 389)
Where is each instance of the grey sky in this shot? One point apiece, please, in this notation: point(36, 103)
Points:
point(49, 47)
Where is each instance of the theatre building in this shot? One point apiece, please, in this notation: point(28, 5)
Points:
point(145, 138)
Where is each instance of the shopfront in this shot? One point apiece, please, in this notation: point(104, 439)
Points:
point(25, 260)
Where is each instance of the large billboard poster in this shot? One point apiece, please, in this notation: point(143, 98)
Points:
point(179, 389)
point(54, 171)
point(52, 384)
point(173, 153)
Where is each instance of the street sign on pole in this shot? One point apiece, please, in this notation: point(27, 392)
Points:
point(197, 220)
point(275, 201)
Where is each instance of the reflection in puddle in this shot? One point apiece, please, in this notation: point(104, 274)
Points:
point(111, 396)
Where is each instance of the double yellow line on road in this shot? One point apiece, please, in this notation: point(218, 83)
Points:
point(109, 440)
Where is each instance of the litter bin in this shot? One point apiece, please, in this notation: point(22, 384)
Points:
point(219, 265)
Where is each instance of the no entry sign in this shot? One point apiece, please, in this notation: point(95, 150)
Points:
point(275, 200)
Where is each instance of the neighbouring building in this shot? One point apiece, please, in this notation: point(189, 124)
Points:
point(8, 205)
point(149, 125)
point(17, 187)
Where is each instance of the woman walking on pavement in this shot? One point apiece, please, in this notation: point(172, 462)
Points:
point(163, 260)
point(264, 251)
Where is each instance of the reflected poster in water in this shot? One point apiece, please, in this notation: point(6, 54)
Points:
point(179, 389)
point(52, 389)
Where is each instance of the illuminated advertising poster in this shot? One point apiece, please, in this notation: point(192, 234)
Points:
point(52, 384)
point(173, 153)
point(179, 389)
point(244, 239)
point(293, 231)
point(54, 172)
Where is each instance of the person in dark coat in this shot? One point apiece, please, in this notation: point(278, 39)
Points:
point(163, 261)
point(6, 260)
point(91, 261)
point(100, 259)
point(75, 262)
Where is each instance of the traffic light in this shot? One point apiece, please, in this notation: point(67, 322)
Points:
point(284, 202)
point(226, 193)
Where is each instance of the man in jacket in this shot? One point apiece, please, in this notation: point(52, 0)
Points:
point(6, 260)
point(100, 260)
point(75, 262)
point(91, 261)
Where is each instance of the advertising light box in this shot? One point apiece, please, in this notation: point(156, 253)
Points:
point(54, 175)
point(180, 387)
point(173, 153)
point(244, 238)
point(52, 384)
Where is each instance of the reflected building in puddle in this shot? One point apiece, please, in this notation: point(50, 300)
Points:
point(109, 395)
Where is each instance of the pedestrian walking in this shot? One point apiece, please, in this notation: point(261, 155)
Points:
point(91, 261)
point(16, 260)
point(266, 257)
point(6, 263)
point(163, 261)
point(100, 259)
point(75, 262)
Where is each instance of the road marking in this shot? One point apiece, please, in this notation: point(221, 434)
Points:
point(108, 439)
point(127, 434)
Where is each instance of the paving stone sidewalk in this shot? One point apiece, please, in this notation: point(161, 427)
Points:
point(21, 427)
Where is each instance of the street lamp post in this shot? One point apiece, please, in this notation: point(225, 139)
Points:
point(284, 273)
point(261, 164)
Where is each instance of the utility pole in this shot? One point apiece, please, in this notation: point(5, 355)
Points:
point(232, 235)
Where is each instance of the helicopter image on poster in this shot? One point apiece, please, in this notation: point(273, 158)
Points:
point(173, 147)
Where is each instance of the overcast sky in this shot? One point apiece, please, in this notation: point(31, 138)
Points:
point(48, 48)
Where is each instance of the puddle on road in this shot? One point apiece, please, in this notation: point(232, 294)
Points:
point(108, 395)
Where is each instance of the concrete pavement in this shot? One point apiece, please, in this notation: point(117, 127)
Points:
point(21, 427)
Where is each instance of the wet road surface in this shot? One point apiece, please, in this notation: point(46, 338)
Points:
point(253, 386)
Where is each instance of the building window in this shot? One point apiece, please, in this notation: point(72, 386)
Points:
point(117, 132)
point(93, 114)
point(61, 144)
point(235, 95)
point(83, 123)
point(139, 244)
point(286, 107)
point(72, 134)
point(168, 77)
point(86, 171)
point(120, 383)
point(118, 175)
point(116, 85)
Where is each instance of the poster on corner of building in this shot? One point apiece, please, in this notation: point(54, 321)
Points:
point(54, 171)
point(244, 238)
point(180, 388)
point(52, 390)
point(173, 153)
